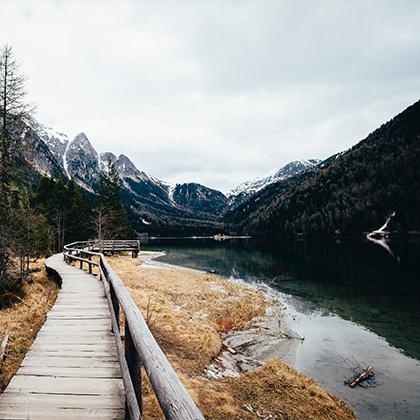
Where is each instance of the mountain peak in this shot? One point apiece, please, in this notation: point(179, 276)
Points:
point(81, 143)
point(126, 167)
point(293, 168)
point(241, 193)
point(81, 138)
point(107, 156)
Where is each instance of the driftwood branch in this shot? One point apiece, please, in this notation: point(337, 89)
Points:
point(3, 346)
point(365, 374)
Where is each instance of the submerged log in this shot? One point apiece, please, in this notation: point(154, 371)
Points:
point(3, 346)
point(365, 374)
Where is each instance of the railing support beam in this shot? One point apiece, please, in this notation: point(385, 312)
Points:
point(115, 304)
point(133, 364)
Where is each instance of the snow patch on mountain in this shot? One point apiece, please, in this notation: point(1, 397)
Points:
point(65, 164)
point(291, 169)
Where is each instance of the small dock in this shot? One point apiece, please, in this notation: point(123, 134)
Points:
point(72, 368)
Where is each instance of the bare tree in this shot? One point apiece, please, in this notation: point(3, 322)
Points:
point(102, 222)
point(13, 111)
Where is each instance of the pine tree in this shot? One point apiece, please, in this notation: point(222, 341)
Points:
point(67, 209)
point(13, 112)
point(110, 219)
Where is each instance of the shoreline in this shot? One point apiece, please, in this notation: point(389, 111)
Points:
point(226, 341)
point(245, 350)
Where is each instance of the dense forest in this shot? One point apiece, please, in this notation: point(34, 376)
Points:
point(351, 192)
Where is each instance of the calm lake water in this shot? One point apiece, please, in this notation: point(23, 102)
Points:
point(355, 303)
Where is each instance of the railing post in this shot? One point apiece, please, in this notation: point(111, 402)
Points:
point(133, 364)
point(90, 265)
point(115, 304)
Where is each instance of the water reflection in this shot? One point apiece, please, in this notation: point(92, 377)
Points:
point(351, 300)
point(384, 243)
point(357, 280)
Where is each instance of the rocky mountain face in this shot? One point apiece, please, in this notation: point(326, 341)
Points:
point(81, 162)
point(35, 157)
point(247, 189)
point(352, 191)
point(200, 199)
point(153, 205)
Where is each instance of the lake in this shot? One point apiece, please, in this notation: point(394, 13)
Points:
point(355, 303)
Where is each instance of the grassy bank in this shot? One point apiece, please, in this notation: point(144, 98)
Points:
point(188, 313)
point(22, 314)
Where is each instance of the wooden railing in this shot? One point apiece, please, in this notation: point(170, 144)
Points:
point(106, 245)
point(140, 349)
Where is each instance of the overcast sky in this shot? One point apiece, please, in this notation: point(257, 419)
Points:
point(217, 92)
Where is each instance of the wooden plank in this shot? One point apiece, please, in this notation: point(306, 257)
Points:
point(86, 338)
point(63, 322)
point(82, 361)
point(78, 312)
point(73, 351)
point(28, 400)
point(77, 316)
point(72, 386)
point(82, 305)
point(74, 333)
point(112, 371)
point(17, 413)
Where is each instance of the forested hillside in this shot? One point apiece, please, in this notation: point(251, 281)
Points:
point(352, 192)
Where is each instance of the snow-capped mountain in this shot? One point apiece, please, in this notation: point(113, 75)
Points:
point(152, 203)
point(81, 162)
point(245, 190)
point(56, 141)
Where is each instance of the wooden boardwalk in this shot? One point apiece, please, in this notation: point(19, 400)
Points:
point(71, 370)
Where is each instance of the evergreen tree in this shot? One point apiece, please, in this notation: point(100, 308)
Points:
point(66, 208)
point(13, 112)
point(110, 219)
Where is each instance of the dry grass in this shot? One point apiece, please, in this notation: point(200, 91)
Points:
point(187, 310)
point(23, 314)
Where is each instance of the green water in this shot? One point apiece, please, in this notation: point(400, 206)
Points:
point(353, 301)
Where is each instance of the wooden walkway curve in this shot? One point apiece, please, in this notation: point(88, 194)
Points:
point(71, 370)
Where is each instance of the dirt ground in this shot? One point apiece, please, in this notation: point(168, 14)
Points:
point(22, 314)
point(188, 313)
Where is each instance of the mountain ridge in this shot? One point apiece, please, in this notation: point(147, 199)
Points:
point(152, 203)
point(351, 192)
point(247, 189)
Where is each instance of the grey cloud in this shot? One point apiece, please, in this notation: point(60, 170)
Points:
point(217, 92)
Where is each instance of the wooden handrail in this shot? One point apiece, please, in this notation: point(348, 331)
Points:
point(141, 348)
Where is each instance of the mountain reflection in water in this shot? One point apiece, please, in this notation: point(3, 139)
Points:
point(355, 279)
